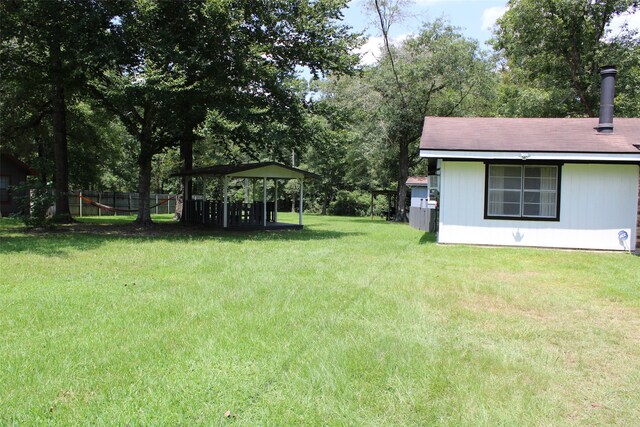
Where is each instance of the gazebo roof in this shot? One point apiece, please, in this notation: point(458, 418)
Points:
point(250, 170)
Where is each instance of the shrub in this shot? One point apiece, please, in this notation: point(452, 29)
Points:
point(34, 199)
point(351, 203)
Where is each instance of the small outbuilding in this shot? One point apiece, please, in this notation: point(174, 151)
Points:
point(259, 213)
point(423, 202)
point(13, 172)
point(544, 182)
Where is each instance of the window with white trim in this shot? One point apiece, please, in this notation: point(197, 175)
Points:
point(522, 191)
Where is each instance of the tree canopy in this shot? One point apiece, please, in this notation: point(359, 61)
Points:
point(119, 94)
point(553, 50)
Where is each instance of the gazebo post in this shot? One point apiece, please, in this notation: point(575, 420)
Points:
point(275, 202)
point(264, 201)
point(301, 198)
point(224, 197)
point(246, 190)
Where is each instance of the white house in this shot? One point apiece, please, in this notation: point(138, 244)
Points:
point(562, 183)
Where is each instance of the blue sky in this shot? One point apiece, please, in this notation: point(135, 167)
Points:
point(471, 15)
point(475, 17)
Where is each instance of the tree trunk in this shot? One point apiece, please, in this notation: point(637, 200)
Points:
point(180, 198)
point(186, 185)
point(42, 162)
point(145, 164)
point(60, 152)
point(403, 174)
point(144, 189)
point(324, 204)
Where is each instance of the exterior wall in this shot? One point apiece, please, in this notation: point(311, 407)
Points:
point(418, 193)
point(638, 221)
point(16, 176)
point(596, 202)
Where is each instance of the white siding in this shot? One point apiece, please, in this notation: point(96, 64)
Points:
point(597, 201)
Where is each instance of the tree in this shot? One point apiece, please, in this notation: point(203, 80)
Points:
point(217, 66)
point(437, 72)
point(553, 50)
point(264, 111)
point(328, 152)
point(48, 51)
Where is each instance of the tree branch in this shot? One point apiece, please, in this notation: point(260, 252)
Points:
point(384, 27)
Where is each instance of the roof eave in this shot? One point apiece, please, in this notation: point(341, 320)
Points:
point(531, 155)
point(243, 171)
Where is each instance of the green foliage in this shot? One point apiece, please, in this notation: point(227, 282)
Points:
point(48, 52)
point(553, 51)
point(366, 128)
point(350, 203)
point(35, 200)
point(222, 73)
point(101, 152)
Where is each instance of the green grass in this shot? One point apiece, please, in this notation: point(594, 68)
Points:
point(348, 322)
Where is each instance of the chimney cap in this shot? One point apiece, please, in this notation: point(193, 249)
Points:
point(608, 69)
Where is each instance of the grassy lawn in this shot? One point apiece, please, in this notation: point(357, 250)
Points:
point(348, 322)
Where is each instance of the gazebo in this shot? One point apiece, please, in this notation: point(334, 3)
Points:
point(245, 215)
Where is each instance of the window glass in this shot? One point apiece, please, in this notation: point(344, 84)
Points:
point(522, 191)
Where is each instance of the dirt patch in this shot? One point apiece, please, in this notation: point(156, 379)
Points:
point(496, 304)
point(128, 230)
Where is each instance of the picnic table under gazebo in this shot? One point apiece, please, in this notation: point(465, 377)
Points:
point(248, 214)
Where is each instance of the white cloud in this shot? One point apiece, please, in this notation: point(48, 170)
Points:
point(490, 16)
point(371, 51)
point(632, 20)
point(428, 2)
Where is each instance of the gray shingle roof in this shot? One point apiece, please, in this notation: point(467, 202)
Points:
point(529, 134)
